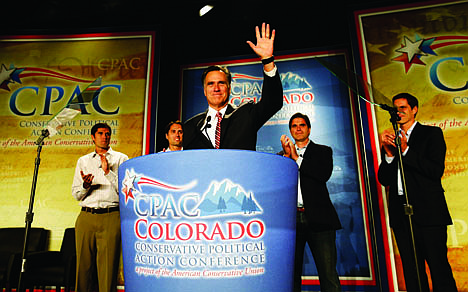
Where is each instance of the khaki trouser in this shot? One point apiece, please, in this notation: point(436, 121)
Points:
point(97, 249)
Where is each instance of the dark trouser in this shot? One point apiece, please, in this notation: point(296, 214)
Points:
point(431, 246)
point(97, 248)
point(323, 247)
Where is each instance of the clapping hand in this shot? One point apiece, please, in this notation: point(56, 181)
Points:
point(87, 180)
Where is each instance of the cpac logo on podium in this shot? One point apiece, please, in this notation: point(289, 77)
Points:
point(221, 199)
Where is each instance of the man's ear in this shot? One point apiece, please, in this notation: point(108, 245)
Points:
point(415, 110)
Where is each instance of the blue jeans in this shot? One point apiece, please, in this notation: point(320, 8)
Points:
point(323, 247)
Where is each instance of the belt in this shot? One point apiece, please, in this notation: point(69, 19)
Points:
point(300, 209)
point(100, 210)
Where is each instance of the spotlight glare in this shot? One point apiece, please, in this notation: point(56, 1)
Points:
point(205, 9)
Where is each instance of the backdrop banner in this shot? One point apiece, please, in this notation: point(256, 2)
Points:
point(421, 49)
point(206, 220)
point(310, 88)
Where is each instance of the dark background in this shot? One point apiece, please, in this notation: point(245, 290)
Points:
point(187, 38)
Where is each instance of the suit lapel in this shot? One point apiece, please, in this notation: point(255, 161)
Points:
point(414, 137)
point(225, 121)
point(202, 120)
point(206, 143)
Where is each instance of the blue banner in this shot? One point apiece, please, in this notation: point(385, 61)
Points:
point(309, 88)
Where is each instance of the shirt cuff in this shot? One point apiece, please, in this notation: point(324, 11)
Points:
point(271, 73)
point(406, 151)
point(389, 159)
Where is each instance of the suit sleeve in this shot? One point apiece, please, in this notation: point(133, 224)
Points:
point(318, 166)
point(271, 100)
point(428, 158)
point(387, 171)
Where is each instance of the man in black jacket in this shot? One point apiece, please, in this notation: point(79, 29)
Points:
point(423, 152)
point(317, 220)
point(224, 126)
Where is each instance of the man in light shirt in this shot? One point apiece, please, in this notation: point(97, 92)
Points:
point(316, 217)
point(423, 154)
point(97, 228)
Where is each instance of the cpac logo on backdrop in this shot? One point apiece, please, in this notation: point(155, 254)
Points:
point(43, 97)
point(245, 88)
point(221, 199)
point(413, 52)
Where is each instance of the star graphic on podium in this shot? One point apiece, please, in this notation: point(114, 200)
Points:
point(128, 185)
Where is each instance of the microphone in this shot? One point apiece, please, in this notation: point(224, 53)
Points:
point(199, 129)
point(393, 112)
point(206, 127)
point(388, 108)
point(44, 134)
point(207, 124)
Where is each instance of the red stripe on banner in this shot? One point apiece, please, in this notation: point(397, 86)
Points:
point(50, 73)
point(455, 37)
point(385, 235)
point(448, 44)
point(156, 183)
point(240, 76)
point(53, 289)
point(149, 97)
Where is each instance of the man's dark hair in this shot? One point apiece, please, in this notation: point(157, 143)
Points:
point(216, 68)
point(411, 99)
point(168, 127)
point(99, 126)
point(299, 115)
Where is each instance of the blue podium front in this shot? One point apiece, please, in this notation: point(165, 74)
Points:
point(208, 220)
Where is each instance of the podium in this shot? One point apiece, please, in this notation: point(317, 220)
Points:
point(208, 220)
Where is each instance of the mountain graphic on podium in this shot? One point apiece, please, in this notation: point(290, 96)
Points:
point(226, 198)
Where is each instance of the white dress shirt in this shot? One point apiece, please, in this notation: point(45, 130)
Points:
point(210, 132)
point(300, 153)
point(103, 192)
point(390, 159)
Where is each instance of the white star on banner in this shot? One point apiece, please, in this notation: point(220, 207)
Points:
point(5, 74)
point(411, 48)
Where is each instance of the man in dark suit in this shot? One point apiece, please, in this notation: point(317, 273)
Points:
point(423, 154)
point(317, 220)
point(238, 126)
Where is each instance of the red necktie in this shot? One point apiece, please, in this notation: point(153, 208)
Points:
point(218, 130)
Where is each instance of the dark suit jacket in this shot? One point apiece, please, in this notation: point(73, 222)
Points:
point(316, 169)
point(239, 125)
point(423, 166)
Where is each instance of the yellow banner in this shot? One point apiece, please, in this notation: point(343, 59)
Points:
point(422, 51)
point(38, 77)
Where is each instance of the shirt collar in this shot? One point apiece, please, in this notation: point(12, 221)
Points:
point(410, 130)
point(109, 152)
point(212, 112)
point(169, 149)
point(303, 148)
